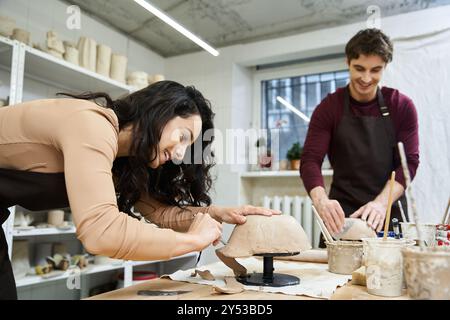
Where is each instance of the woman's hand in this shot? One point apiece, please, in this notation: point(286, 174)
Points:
point(205, 230)
point(237, 215)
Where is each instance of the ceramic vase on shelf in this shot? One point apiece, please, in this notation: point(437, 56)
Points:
point(71, 54)
point(87, 49)
point(54, 46)
point(7, 25)
point(138, 79)
point(21, 35)
point(153, 78)
point(118, 67)
point(103, 60)
point(56, 217)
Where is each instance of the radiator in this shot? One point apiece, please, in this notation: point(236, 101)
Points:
point(300, 208)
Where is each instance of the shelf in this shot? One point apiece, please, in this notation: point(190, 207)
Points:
point(91, 269)
point(42, 232)
point(140, 263)
point(46, 68)
point(279, 174)
point(6, 47)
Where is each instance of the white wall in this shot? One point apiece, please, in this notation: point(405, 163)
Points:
point(222, 78)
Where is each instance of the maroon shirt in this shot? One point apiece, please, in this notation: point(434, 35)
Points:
point(327, 116)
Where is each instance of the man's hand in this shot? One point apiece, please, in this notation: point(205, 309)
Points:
point(332, 214)
point(374, 213)
point(237, 215)
point(329, 210)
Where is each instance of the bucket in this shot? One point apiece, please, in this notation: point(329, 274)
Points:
point(138, 277)
point(427, 272)
point(344, 257)
point(384, 265)
point(427, 230)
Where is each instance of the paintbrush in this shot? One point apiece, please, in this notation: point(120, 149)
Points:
point(446, 216)
point(322, 226)
point(401, 211)
point(389, 206)
point(409, 195)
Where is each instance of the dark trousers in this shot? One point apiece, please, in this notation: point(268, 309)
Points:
point(8, 289)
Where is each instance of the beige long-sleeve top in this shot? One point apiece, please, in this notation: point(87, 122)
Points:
point(79, 138)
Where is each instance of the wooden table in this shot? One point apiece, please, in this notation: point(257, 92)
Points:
point(204, 292)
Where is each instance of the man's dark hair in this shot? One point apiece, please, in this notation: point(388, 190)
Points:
point(369, 42)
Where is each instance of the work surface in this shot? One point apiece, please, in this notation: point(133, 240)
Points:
point(205, 292)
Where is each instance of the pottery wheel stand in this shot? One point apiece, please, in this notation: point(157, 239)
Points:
point(268, 278)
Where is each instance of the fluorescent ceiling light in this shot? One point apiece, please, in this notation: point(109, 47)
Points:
point(164, 17)
point(293, 109)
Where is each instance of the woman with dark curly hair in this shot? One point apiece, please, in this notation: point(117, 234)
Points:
point(104, 158)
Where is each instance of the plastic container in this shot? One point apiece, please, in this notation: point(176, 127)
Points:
point(384, 265)
point(427, 272)
point(138, 277)
point(344, 257)
point(427, 230)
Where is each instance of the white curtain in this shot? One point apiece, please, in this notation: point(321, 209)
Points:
point(421, 70)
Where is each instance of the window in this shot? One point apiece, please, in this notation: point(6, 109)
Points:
point(303, 92)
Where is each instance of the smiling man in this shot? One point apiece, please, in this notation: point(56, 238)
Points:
point(358, 127)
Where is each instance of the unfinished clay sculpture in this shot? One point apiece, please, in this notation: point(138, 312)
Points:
point(21, 35)
point(153, 78)
point(54, 46)
point(71, 53)
point(7, 26)
point(355, 229)
point(267, 237)
point(138, 79)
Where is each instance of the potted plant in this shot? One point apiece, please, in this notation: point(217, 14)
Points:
point(294, 154)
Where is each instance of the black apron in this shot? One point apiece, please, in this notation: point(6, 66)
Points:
point(363, 150)
point(33, 191)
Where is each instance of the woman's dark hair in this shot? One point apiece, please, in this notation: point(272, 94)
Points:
point(369, 42)
point(149, 110)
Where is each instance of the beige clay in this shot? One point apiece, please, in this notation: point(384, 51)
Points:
point(355, 229)
point(261, 234)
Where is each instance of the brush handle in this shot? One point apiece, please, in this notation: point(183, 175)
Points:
point(389, 206)
point(322, 226)
point(445, 220)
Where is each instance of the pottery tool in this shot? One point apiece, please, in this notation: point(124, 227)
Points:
point(389, 206)
point(158, 293)
point(446, 216)
point(323, 228)
point(409, 194)
point(401, 211)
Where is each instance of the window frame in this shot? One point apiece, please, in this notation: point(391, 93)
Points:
point(287, 72)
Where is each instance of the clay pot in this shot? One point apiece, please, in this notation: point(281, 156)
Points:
point(103, 60)
point(55, 217)
point(155, 78)
point(138, 79)
point(295, 164)
point(118, 67)
point(7, 26)
point(87, 49)
point(427, 272)
point(21, 35)
point(344, 257)
point(72, 55)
